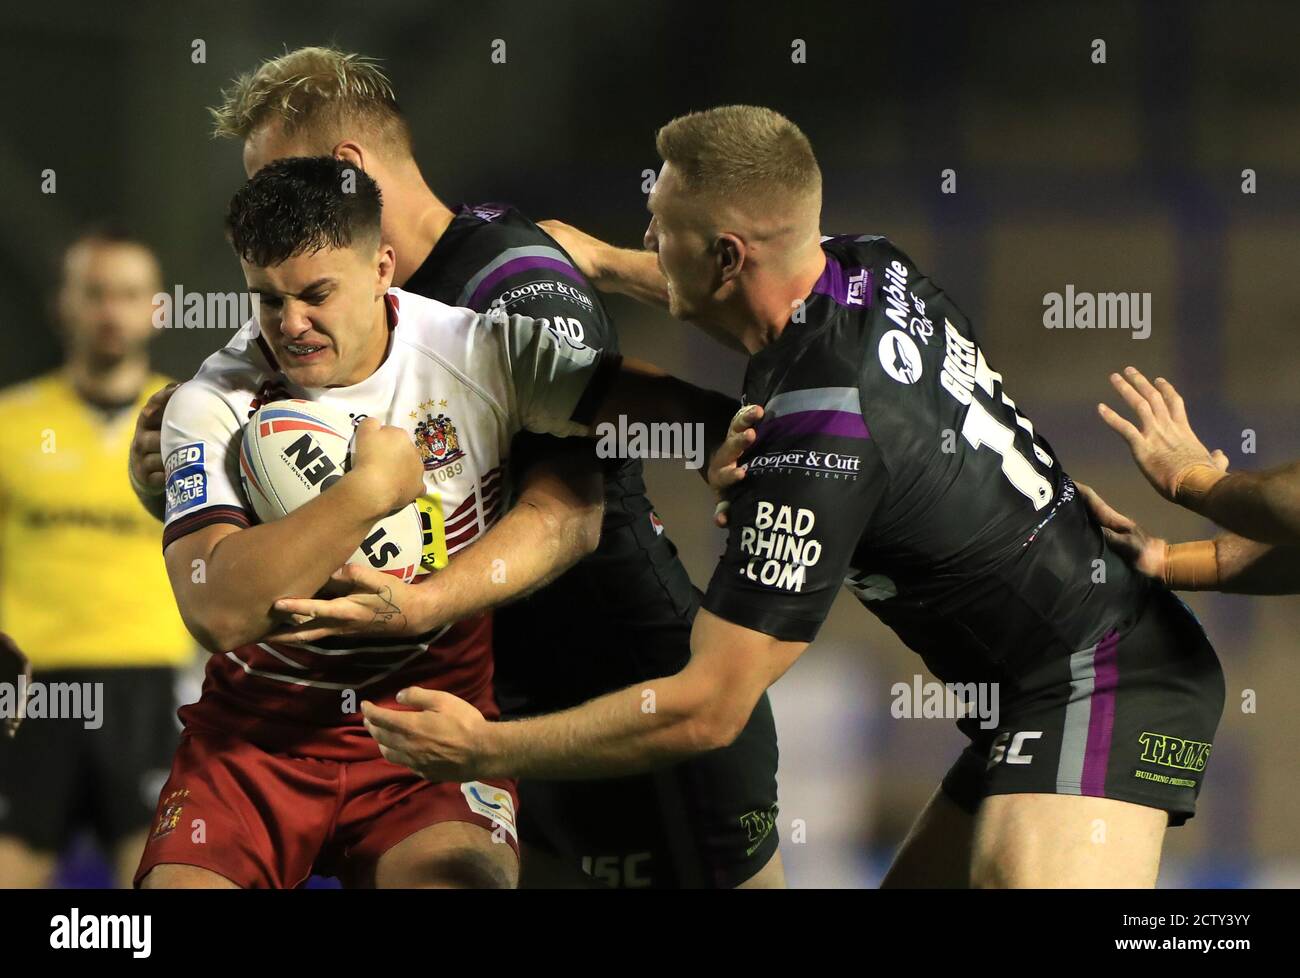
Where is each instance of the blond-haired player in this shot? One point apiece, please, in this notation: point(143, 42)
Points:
point(978, 553)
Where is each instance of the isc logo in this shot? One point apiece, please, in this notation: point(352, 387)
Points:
point(1011, 754)
point(311, 462)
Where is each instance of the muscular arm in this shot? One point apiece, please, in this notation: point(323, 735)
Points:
point(630, 271)
point(225, 601)
point(1249, 567)
point(1229, 563)
point(1258, 505)
point(1261, 506)
point(634, 273)
point(701, 708)
point(553, 524)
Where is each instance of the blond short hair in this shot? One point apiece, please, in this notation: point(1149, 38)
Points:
point(740, 152)
point(318, 87)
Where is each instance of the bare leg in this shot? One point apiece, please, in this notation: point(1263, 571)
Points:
point(457, 855)
point(770, 877)
point(177, 876)
point(1041, 840)
point(937, 851)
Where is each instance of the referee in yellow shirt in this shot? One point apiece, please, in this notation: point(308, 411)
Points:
point(83, 591)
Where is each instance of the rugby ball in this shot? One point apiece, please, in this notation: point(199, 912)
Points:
point(292, 451)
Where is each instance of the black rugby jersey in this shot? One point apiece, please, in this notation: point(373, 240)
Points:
point(890, 459)
point(623, 613)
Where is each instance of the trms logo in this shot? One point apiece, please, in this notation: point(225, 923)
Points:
point(1012, 754)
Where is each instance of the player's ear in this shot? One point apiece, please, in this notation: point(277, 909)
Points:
point(729, 252)
point(387, 266)
point(350, 153)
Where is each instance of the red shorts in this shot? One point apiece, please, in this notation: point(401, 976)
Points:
point(269, 820)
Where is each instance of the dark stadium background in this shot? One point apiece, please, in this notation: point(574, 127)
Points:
point(1125, 176)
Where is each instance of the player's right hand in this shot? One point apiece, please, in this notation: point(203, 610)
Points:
point(146, 461)
point(1147, 554)
point(582, 247)
point(725, 469)
point(1163, 443)
point(386, 458)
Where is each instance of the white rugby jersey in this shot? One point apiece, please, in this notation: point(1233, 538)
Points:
point(461, 383)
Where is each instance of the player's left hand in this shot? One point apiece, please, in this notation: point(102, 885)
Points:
point(1147, 554)
point(370, 602)
point(12, 665)
point(725, 469)
point(440, 738)
point(1164, 444)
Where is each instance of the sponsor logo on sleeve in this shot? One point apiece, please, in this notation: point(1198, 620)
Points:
point(900, 357)
point(567, 330)
point(545, 289)
point(816, 463)
point(186, 479)
point(780, 546)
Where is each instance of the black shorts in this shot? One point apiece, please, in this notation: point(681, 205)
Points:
point(709, 822)
point(58, 777)
point(1132, 717)
point(623, 616)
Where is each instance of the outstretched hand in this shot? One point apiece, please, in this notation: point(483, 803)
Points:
point(1163, 443)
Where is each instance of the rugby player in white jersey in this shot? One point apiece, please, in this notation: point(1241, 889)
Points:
point(274, 763)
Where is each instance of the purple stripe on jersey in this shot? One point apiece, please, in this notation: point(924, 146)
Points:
point(1101, 721)
point(517, 265)
point(848, 287)
point(801, 423)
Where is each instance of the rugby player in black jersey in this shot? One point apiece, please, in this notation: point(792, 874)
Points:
point(599, 598)
point(888, 458)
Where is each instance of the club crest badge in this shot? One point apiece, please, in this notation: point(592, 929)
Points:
point(173, 804)
point(435, 437)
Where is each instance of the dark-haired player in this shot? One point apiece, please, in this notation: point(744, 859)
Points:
point(705, 822)
point(976, 550)
point(274, 775)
